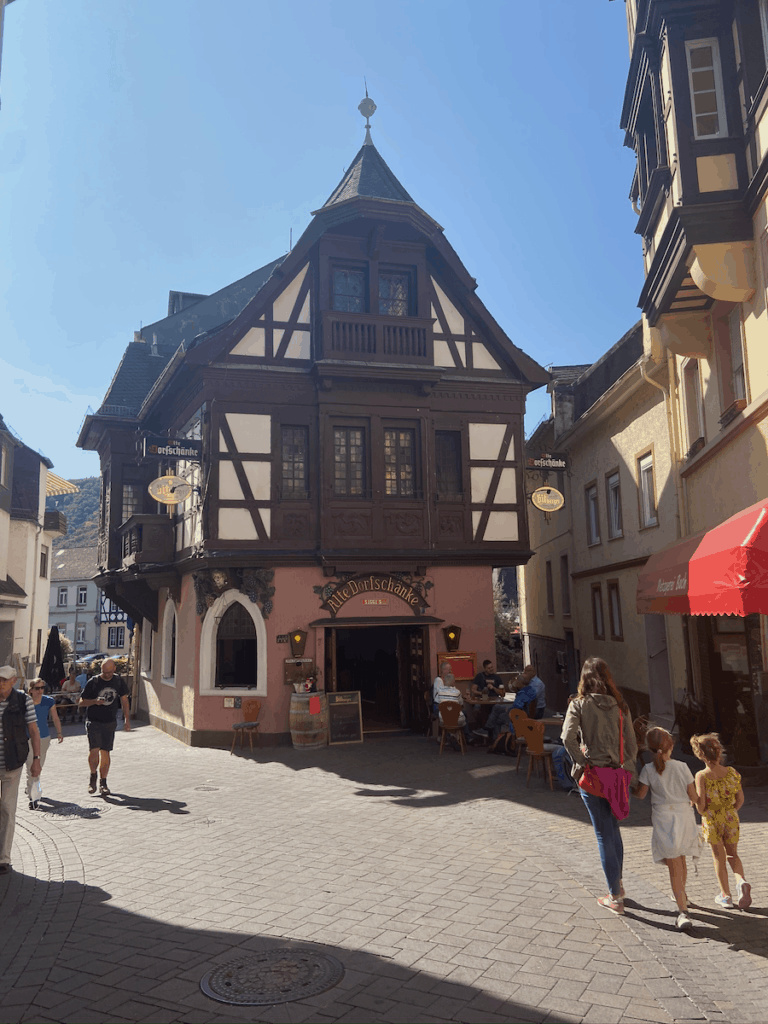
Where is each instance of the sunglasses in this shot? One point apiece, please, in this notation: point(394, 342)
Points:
point(37, 687)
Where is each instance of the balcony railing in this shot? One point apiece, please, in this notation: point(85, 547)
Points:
point(54, 521)
point(376, 338)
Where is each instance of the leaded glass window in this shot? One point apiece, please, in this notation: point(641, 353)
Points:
point(349, 462)
point(393, 294)
point(294, 456)
point(399, 462)
point(448, 464)
point(349, 291)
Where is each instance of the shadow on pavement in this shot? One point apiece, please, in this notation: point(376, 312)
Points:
point(138, 803)
point(95, 961)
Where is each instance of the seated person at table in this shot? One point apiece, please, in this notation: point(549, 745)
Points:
point(71, 687)
point(532, 689)
point(444, 688)
point(487, 683)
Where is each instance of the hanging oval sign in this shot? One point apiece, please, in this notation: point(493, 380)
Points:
point(547, 499)
point(170, 490)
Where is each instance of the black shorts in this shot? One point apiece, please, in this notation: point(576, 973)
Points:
point(101, 735)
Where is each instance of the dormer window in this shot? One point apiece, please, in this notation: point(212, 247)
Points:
point(393, 294)
point(349, 290)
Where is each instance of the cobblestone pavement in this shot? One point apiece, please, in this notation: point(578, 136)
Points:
point(448, 890)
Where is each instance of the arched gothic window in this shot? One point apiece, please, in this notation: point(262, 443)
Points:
point(236, 649)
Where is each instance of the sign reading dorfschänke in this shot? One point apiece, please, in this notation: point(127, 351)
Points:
point(377, 583)
point(547, 460)
point(155, 447)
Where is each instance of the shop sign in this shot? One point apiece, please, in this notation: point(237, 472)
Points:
point(548, 461)
point(345, 718)
point(155, 447)
point(378, 601)
point(547, 499)
point(374, 583)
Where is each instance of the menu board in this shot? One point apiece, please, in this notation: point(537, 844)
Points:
point(345, 717)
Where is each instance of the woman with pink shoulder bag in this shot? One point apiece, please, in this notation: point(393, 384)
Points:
point(598, 735)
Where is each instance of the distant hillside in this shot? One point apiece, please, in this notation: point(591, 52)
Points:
point(82, 512)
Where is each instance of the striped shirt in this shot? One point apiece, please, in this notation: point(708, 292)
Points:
point(30, 717)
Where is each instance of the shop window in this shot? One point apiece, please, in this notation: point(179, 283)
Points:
point(400, 462)
point(565, 585)
point(394, 292)
point(169, 644)
point(63, 597)
point(236, 649)
point(349, 462)
point(349, 290)
point(706, 86)
point(550, 588)
point(598, 626)
point(647, 491)
point(448, 465)
point(614, 610)
point(294, 455)
point(593, 515)
point(613, 499)
point(44, 553)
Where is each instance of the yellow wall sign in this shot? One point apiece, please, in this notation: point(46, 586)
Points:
point(547, 499)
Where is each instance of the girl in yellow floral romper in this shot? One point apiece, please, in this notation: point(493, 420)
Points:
point(720, 796)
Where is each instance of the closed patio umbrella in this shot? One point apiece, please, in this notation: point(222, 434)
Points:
point(52, 667)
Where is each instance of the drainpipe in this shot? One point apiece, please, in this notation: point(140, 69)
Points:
point(672, 434)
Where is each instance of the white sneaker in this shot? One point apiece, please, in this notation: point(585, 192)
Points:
point(481, 732)
point(745, 895)
point(724, 901)
point(684, 923)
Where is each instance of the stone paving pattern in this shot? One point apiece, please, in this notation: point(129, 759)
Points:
point(449, 891)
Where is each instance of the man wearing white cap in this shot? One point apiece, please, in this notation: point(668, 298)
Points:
point(17, 718)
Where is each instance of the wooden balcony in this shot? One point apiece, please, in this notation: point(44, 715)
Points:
point(146, 539)
point(382, 339)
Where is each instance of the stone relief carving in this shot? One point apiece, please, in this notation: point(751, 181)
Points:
point(210, 584)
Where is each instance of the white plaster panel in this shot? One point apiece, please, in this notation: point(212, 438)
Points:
point(236, 524)
point(306, 310)
point(462, 349)
point(717, 173)
point(286, 300)
point(258, 474)
point(511, 450)
point(266, 518)
point(482, 358)
point(443, 355)
point(251, 344)
point(475, 523)
point(481, 480)
point(452, 315)
point(298, 346)
point(506, 493)
point(502, 526)
point(229, 485)
point(251, 432)
point(222, 443)
point(485, 440)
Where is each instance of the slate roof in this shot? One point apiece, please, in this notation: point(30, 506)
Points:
point(139, 368)
point(369, 176)
point(10, 588)
point(568, 374)
point(74, 564)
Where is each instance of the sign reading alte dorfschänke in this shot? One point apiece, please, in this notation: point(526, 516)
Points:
point(548, 461)
point(374, 583)
point(172, 448)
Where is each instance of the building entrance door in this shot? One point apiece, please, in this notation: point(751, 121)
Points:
point(387, 664)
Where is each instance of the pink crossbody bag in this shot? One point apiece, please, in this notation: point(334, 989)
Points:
point(610, 783)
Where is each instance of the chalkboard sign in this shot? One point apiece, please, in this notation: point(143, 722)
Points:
point(345, 718)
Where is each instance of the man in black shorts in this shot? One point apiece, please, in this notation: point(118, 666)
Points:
point(100, 696)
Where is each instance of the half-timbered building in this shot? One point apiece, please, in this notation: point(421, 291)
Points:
point(361, 419)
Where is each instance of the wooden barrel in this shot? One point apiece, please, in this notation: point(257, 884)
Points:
point(308, 731)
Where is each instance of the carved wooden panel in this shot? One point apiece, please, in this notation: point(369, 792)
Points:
point(403, 524)
point(351, 523)
point(294, 525)
point(450, 525)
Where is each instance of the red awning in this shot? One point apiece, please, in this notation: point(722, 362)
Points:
point(723, 571)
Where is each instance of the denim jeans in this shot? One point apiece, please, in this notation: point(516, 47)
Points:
point(609, 841)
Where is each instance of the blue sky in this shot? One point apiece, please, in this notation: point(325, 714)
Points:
point(173, 144)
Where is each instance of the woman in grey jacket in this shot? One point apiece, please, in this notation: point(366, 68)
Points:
point(591, 737)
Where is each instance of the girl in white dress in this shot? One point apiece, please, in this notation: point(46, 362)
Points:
point(673, 796)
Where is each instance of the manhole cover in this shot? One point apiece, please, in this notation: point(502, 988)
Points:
point(74, 810)
point(206, 789)
point(274, 976)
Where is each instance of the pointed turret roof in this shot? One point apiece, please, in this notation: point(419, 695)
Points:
point(368, 175)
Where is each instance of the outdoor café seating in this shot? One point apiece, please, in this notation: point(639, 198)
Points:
point(450, 710)
point(539, 752)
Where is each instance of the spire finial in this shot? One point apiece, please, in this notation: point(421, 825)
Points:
point(367, 108)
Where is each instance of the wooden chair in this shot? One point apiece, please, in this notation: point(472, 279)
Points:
point(537, 750)
point(432, 715)
point(249, 724)
point(516, 717)
point(449, 711)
